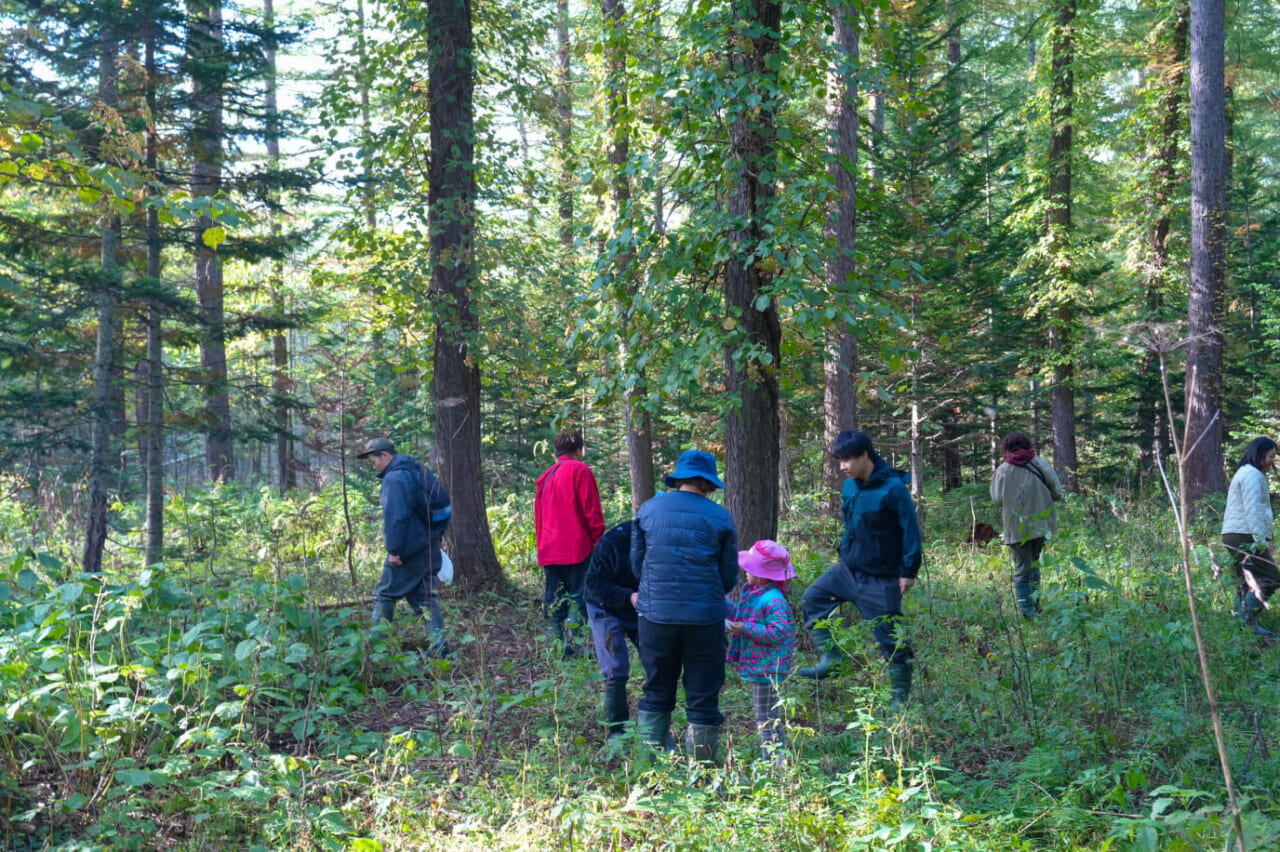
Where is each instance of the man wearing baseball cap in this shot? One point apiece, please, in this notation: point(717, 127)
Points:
point(415, 513)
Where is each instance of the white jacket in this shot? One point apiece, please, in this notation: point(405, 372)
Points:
point(1249, 505)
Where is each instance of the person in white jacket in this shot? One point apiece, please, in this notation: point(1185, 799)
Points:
point(1025, 487)
point(1247, 533)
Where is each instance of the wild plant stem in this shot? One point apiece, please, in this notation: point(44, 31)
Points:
point(1180, 513)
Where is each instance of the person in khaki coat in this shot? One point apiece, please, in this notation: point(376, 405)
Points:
point(1025, 488)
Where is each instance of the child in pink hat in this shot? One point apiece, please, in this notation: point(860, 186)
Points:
point(762, 633)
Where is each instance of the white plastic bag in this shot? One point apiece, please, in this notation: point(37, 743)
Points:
point(446, 568)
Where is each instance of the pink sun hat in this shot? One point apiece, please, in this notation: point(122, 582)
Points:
point(767, 559)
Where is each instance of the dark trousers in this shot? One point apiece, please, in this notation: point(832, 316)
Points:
point(695, 650)
point(879, 599)
point(610, 635)
point(1026, 560)
point(1258, 561)
point(564, 583)
point(413, 582)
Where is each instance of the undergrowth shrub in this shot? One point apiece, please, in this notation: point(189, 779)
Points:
point(232, 699)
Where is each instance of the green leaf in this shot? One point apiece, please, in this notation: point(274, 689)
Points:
point(245, 649)
point(133, 777)
point(214, 237)
point(27, 579)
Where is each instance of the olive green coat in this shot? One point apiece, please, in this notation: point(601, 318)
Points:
point(1025, 501)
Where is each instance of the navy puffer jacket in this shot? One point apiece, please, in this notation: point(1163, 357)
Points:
point(684, 549)
point(409, 525)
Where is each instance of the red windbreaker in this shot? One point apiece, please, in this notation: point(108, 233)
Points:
point(567, 517)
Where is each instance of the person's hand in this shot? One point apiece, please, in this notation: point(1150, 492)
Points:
point(635, 599)
point(393, 559)
point(736, 628)
point(905, 583)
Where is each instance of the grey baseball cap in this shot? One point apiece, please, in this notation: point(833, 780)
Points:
point(377, 445)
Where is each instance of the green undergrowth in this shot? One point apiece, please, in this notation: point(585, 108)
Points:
point(220, 702)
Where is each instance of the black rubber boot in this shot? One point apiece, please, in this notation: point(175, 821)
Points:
point(831, 656)
point(1024, 592)
point(899, 685)
point(616, 712)
point(1250, 609)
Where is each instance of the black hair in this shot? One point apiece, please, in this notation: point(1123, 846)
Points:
point(568, 442)
point(705, 486)
point(852, 444)
point(1256, 452)
point(1015, 441)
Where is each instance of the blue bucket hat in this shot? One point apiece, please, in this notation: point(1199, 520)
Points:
point(695, 463)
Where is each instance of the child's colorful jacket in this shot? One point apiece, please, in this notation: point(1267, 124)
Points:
point(763, 652)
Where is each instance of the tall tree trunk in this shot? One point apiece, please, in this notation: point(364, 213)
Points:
point(1153, 427)
point(366, 121)
point(208, 74)
point(103, 368)
point(280, 380)
point(751, 427)
point(564, 127)
point(1206, 307)
point(153, 459)
point(1058, 234)
point(451, 200)
point(840, 367)
point(636, 416)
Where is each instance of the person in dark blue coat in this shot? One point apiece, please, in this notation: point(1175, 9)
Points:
point(415, 513)
point(684, 550)
point(611, 593)
point(880, 557)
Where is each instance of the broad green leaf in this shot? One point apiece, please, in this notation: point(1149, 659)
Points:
point(214, 237)
point(133, 777)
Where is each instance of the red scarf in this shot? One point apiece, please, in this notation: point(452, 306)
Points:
point(1021, 458)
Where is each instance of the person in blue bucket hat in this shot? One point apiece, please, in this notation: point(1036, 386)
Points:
point(684, 551)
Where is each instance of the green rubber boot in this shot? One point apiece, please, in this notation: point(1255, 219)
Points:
point(831, 656)
point(654, 729)
point(702, 742)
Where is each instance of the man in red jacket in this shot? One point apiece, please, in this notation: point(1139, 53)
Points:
point(568, 521)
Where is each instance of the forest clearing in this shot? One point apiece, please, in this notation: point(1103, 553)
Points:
point(298, 298)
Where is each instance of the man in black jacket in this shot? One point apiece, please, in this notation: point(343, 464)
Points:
point(415, 513)
point(611, 590)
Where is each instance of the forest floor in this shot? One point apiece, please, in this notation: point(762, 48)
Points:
point(204, 709)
